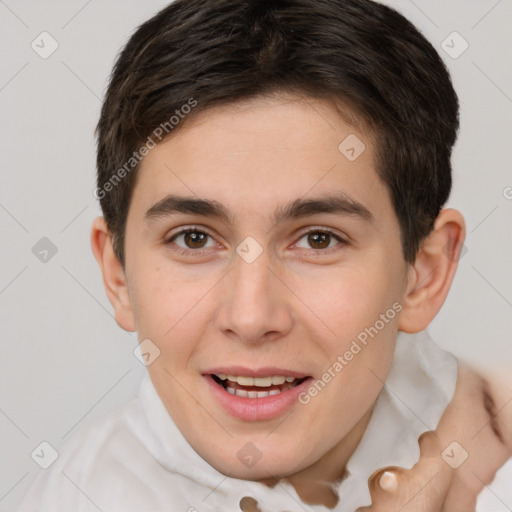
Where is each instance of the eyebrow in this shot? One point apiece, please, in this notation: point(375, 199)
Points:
point(339, 204)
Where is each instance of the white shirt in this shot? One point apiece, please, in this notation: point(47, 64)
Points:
point(135, 459)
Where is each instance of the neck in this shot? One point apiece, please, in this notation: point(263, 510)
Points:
point(314, 484)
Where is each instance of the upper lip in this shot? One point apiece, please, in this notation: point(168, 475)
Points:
point(258, 372)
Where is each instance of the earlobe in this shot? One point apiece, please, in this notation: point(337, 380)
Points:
point(114, 278)
point(433, 271)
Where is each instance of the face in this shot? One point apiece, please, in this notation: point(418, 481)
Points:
point(264, 261)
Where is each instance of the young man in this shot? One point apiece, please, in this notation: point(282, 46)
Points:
point(272, 177)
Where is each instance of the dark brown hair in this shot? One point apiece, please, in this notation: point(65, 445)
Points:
point(202, 53)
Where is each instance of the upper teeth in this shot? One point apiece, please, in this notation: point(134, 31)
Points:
point(256, 381)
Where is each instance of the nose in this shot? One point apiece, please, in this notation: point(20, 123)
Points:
point(255, 304)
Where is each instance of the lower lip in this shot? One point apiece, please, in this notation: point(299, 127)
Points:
point(257, 409)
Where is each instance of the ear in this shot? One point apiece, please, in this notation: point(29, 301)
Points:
point(432, 272)
point(114, 278)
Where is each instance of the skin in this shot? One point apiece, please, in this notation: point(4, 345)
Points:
point(483, 430)
point(298, 306)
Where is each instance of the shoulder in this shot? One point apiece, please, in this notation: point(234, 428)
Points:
point(108, 465)
point(88, 460)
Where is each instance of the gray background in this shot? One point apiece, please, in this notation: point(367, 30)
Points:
point(65, 361)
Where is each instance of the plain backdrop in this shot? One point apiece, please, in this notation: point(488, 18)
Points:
point(65, 361)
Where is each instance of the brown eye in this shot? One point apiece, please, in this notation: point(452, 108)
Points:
point(320, 240)
point(191, 239)
point(194, 239)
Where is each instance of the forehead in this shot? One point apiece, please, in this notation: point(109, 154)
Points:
point(263, 153)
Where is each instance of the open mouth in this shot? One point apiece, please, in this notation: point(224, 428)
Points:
point(256, 387)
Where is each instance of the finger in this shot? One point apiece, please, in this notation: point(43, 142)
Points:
point(384, 480)
point(385, 490)
point(447, 491)
point(388, 482)
point(380, 495)
point(429, 444)
point(421, 488)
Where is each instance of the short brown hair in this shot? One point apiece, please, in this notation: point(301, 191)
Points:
point(215, 52)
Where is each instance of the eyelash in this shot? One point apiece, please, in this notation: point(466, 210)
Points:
point(200, 252)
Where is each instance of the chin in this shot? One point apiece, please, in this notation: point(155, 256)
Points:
point(253, 464)
point(260, 472)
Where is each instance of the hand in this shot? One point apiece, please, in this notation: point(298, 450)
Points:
point(436, 483)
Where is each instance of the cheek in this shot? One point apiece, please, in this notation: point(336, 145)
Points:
point(166, 305)
point(360, 355)
point(364, 314)
point(350, 301)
